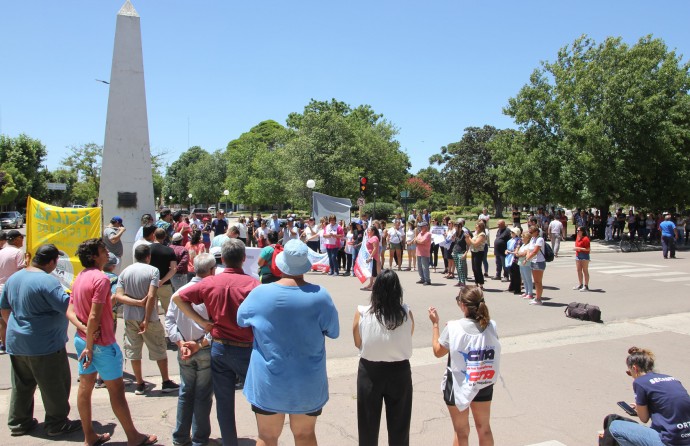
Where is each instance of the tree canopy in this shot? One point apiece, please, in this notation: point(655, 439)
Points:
point(22, 158)
point(603, 123)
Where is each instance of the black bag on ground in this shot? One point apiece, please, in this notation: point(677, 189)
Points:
point(583, 312)
point(607, 439)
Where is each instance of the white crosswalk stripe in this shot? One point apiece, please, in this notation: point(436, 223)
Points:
point(645, 271)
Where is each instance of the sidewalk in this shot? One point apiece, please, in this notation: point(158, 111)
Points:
point(556, 387)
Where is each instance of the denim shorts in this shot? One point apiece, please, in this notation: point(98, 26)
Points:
point(582, 256)
point(107, 360)
point(538, 266)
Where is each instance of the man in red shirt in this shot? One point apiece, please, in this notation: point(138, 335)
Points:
point(232, 345)
point(423, 243)
point(90, 310)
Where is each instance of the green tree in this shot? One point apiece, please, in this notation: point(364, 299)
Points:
point(180, 174)
point(85, 162)
point(471, 167)
point(257, 167)
point(335, 144)
point(8, 190)
point(23, 158)
point(61, 198)
point(207, 178)
point(604, 123)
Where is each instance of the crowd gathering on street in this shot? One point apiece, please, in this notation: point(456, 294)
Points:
point(267, 336)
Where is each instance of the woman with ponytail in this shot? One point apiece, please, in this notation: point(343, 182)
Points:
point(661, 398)
point(383, 333)
point(473, 365)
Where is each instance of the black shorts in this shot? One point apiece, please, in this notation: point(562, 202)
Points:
point(265, 412)
point(373, 267)
point(484, 395)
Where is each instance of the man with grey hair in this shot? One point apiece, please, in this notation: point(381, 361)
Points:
point(194, 359)
point(231, 347)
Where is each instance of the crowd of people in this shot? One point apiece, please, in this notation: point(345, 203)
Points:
point(267, 336)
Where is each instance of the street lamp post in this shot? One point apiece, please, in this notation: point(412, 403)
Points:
point(170, 202)
point(226, 193)
point(311, 184)
point(190, 202)
point(373, 217)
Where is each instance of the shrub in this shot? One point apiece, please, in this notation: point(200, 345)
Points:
point(384, 211)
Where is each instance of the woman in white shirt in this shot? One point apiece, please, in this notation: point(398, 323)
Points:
point(473, 364)
point(382, 332)
point(243, 230)
point(538, 263)
point(411, 246)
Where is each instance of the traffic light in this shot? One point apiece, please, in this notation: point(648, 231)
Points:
point(362, 185)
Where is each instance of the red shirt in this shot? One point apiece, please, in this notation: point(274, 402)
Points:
point(582, 242)
point(423, 241)
point(222, 294)
point(92, 286)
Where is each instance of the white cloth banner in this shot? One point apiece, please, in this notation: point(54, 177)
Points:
point(362, 268)
point(325, 205)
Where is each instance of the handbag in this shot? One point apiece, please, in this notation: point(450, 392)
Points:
point(448, 393)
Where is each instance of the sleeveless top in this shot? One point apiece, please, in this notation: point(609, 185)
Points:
point(381, 344)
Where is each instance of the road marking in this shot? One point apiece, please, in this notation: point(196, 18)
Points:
point(674, 279)
point(548, 443)
point(661, 274)
point(629, 270)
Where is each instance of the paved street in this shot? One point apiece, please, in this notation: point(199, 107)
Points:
point(559, 376)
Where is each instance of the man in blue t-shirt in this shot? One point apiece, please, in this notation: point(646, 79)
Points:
point(33, 304)
point(669, 235)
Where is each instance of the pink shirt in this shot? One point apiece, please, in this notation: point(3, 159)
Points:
point(11, 261)
point(92, 286)
point(423, 241)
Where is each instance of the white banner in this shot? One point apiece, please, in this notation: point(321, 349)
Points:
point(325, 205)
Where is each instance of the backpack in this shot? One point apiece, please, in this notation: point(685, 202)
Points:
point(277, 249)
point(583, 312)
point(547, 252)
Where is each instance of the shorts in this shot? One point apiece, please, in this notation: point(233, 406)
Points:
point(395, 246)
point(256, 410)
point(582, 256)
point(484, 395)
point(411, 247)
point(163, 294)
point(154, 338)
point(538, 266)
point(107, 360)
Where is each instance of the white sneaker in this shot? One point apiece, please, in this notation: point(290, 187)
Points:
point(584, 289)
point(527, 296)
point(535, 302)
point(579, 287)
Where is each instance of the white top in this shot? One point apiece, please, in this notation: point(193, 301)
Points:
point(243, 230)
point(409, 237)
point(178, 326)
point(556, 227)
point(379, 343)
point(394, 235)
point(474, 359)
point(537, 241)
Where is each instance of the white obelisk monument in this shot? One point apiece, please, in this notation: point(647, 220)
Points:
point(126, 178)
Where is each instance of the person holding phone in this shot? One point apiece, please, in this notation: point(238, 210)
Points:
point(658, 397)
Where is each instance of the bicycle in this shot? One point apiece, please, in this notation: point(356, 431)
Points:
point(628, 244)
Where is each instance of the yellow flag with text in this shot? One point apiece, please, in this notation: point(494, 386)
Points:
point(66, 228)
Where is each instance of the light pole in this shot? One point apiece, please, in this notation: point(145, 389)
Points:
point(226, 193)
point(190, 202)
point(311, 184)
point(373, 217)
point(170, 202)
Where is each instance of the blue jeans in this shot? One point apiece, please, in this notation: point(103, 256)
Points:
point(526, 274)
point(227, 364)
point(195, 400)
point(423, 268)
point(668, 243)
point(333, 260)
point(633, 434)
point(501, 265)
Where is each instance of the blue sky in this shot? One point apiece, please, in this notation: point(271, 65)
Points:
point(216, 68)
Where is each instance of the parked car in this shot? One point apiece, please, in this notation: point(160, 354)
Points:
point(11, 219)
point(201, 213)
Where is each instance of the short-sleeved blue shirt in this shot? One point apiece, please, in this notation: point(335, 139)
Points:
point(37, 325)
point(668, 228)
point(669, 406)
point(287, 371)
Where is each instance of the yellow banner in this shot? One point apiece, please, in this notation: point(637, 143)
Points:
point(66, 228)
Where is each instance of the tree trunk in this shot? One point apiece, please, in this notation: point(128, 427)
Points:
point(499, 205)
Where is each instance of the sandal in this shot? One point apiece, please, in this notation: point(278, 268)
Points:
point(149, 440)
point(102, 439)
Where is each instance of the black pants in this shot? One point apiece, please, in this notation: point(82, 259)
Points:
point(477, 271)
point(348, 263)
point(378, 382)
point(515, 282)
point(433, 261)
